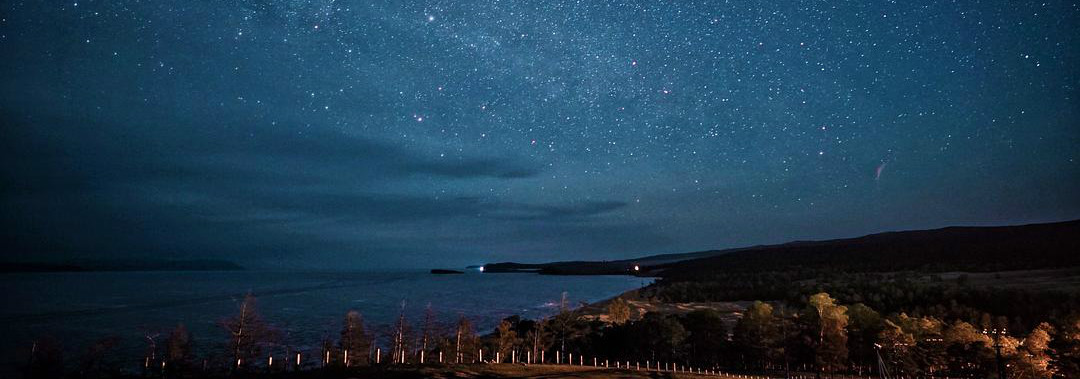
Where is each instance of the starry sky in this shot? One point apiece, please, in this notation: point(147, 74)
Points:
point(360, 134)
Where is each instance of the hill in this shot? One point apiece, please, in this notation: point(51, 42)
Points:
point(972, 249)
point(617, 267)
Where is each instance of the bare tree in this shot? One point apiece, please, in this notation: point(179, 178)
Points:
point(538, 338)
point(464, 341)
point(429, 330)
point(400, 337)
point(46, 359)
point(355, 340)
point(95, 362)
point(249, 335)
point(507, 338)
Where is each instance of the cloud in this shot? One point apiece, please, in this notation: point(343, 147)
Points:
point(106, 188)
point(576, 211)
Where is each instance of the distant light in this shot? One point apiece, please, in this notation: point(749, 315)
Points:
point(481, 268)
point(636, 268)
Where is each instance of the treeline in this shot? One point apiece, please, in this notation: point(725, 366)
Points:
point(818, 335)
point(914, 293)
point(826, 337)
point(250, 345)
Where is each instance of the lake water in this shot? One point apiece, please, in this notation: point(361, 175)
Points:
point(78, 308)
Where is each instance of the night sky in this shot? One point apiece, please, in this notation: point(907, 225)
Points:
point(356, 134)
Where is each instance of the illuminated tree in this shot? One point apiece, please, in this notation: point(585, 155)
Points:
point(831, 320)
point(966, 348)
point(1033, 355)
point(1065, 358)
point(619, 311)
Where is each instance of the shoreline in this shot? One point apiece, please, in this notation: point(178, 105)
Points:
point(731, 310)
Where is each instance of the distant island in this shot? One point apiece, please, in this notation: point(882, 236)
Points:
point(117, 265)
point(441, 271)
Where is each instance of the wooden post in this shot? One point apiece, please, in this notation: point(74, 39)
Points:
point(421, 357)
point(594, 362)
point(528, 357)
point(481, 355)
point(378, 355)
point(440, 356)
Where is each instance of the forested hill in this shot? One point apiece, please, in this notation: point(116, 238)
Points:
point(1053, 245)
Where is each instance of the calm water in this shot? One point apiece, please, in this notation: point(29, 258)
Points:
point(78, 308)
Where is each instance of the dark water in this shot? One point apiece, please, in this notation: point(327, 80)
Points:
point(79, 308)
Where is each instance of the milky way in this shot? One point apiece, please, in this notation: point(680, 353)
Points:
point(352, 134)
